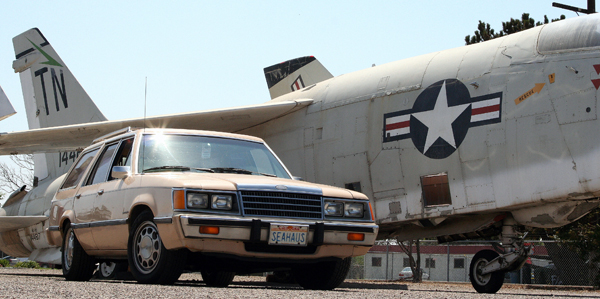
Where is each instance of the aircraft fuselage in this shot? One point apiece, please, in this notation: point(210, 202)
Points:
point(456, 136)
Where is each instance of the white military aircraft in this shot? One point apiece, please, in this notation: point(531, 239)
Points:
point(489, 139)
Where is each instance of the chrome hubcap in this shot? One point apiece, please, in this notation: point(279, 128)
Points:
point(68, 251)
point(147, 247)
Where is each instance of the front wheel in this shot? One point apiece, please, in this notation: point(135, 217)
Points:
point(77, 265)
point(323, 275)
point(487, 283)
point(149, 260)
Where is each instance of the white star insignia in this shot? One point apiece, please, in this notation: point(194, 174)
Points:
point(439, 120)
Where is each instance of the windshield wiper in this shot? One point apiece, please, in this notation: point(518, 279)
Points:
point(238, 170)
point(182, 168)
point(230, 170)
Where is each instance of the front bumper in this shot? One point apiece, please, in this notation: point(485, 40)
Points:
point(246, 237)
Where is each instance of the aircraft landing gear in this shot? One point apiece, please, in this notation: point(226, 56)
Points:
point(488, 267)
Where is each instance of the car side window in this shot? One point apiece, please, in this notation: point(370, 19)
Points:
point(100, 172)
point(123, 157)
point(79, 170)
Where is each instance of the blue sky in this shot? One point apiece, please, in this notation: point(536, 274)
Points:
point(201, 55)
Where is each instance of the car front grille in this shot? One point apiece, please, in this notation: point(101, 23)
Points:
point(281, 204)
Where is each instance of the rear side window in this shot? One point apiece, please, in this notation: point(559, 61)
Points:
point(100, 173)
point(76, 174)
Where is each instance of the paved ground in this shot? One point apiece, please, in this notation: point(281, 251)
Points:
point(24, 283)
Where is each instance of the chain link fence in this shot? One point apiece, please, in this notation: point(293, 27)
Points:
point(549, 262)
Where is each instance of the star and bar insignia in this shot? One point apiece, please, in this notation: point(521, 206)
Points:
point(440, 118)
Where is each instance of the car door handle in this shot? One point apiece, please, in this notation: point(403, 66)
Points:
point(101, 191)
point(78, 196)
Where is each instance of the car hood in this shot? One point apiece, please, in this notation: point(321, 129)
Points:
point(234, 182)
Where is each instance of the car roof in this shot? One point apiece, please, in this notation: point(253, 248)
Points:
point(132, 131)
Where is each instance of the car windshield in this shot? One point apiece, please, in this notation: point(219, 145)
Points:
point(168, 152)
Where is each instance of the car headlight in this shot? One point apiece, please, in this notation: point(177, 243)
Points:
point(197, 200)
point(334, 209)
point(354, 209)
point(221, 202)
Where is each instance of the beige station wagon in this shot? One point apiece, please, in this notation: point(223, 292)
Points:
point(223, 204)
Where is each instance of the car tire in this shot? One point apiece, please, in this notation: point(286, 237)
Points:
point(217, 279)
point(488, 283)
point(323, 275)
point(77, 265)
point(149, 260)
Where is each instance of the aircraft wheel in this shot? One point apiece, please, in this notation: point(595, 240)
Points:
point(109, 270)
point(323, 275)
point(218, 279)
point(150, 261)
point(77, 265)
point(489, 283)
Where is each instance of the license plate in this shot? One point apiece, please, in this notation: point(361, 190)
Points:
point(288, 234)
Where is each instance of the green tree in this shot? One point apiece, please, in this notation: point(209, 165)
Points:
point(484, 31)
point(583, 238)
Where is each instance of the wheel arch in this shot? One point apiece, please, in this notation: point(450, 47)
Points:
point(136, 210)
point(65, 219)
point(140, 203)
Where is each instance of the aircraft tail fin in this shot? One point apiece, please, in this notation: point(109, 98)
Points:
point(48, 85)
point(6, 108)
point(52, 96)
point(295, 74)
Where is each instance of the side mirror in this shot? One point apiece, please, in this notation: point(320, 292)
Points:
point(297, 178)
point(120, 172)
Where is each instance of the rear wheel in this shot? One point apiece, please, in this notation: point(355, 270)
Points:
point(219, 279)
point(149, 260)
point(487, 283)
point(77, 265)
point(323, 275)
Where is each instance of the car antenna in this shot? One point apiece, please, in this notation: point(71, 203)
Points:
point(144, 130)
point(145, 100)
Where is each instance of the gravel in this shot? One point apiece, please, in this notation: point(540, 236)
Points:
point(29, 283)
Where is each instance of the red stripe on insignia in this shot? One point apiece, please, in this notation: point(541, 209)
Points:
point(487, 109)
point(399, 125)
point(597, 68)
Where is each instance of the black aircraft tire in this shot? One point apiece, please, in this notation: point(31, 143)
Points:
point(323, 275)
point(489, 283)
point(149, 260)
point(217, 279)
point(77, 265)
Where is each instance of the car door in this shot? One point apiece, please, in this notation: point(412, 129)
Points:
point(67, 199)
point(110, 228)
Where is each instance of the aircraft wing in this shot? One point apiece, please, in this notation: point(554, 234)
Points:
point(6, 108)
point(8, 223)
point(73, 137)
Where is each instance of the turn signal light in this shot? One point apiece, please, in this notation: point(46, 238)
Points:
point(209, 230)
point(178, 199)
point(356, 237)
